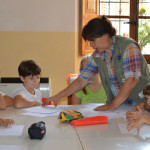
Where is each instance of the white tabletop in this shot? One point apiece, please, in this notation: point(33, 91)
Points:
point(59, 136)
point(64, 136)
point(109, 137)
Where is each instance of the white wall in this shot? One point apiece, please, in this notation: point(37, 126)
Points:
point(37, 15)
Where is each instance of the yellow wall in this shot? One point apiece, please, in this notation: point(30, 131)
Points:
point(56, 52)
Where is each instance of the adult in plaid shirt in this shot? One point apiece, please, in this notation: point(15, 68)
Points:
point(122, 68)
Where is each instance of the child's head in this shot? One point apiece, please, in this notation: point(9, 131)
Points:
point(29, 73)
point(28, 67)
point(84, 61)
point(146, 92)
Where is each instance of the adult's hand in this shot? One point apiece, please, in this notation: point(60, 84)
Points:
point(38, 103)
point(53, 98)
point(106, 107)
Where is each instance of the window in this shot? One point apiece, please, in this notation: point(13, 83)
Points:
point(130, 18)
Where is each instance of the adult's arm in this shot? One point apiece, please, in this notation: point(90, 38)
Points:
point(75, 86)
point(123, 94)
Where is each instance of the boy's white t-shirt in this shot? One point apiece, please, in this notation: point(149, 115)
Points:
point(28, 96)
point(2, 94)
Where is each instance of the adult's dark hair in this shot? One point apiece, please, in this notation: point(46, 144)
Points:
point(146, 90)
point(97, 27)
point(28, 67)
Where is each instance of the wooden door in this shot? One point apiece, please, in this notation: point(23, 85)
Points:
point(89, 10)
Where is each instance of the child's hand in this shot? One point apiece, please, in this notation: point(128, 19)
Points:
point(38, 103)
point(132, 115)
point(136, 124)
point(6, 122)
point(141, 105)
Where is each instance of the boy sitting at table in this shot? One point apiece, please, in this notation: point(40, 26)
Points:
point(140, 116)
point(5, 101)
point(142, 108)
point(28, 95)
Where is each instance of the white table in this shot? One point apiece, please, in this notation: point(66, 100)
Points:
point(108, 137)
point(59, 136)
point(63, 136)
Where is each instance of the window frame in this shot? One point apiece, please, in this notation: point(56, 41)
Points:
point(90, 9)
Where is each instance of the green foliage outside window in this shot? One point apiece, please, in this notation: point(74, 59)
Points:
point(144, 29)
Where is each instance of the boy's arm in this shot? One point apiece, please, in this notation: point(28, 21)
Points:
point(2, 102)
point(6, 122)
point(8, 101)
point(20, 102)
point(147, 121)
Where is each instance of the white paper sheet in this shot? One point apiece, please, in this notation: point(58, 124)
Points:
point(118, 113)
point(43, 110)
point(51, 110)
point(46, 111)
point(37, 114)
point(13, 147)
point(85, 109)
point(13, 130)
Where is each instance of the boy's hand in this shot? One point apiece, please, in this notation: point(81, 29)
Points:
point(132, 115)
point(136, 124)
point(141, 105)
point(6, 122)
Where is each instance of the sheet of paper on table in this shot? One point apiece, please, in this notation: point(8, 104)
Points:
point(13, 130)
point(13, 147)
point(85, 109)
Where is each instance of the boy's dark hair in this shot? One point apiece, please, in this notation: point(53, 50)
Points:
point(28, 67)
point(97, 27)
point(146, 90)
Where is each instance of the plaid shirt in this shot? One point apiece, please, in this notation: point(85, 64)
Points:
point(131, 67)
